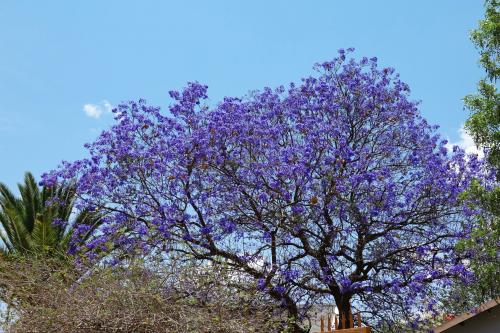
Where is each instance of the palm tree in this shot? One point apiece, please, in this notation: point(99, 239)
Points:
point(38, 221)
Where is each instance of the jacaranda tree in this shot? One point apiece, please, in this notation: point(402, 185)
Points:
point(334, 188)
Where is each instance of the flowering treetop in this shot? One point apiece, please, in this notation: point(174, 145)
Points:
point(333, 187)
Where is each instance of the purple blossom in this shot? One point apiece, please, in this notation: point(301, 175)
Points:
point(59, 222)
point(351, 181)
point(280, 289)
point(261, 284)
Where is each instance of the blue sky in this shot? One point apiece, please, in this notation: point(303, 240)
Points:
point(61, 61)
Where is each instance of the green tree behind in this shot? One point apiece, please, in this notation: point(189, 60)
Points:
point(37, 222)
point(484, 121)
point(483, 124)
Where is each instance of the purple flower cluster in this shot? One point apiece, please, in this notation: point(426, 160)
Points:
point(340, 170)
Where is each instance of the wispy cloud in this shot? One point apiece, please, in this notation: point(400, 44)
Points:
point(107, 106)
point(92, 110)
point(466, 143)
point(97, 110)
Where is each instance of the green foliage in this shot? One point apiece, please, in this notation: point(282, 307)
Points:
point(483, 124)
point(484, 121)
point(27, 222)
point(484, 245)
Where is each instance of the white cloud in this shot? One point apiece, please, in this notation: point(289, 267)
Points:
point(92, 110)
point(107, 106)
point(466, 143)
point(97, 110)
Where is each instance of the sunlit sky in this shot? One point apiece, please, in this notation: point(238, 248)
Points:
point(63, 64)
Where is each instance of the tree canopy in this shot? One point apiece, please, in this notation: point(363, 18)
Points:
point(484, 121)
point(483, 124)
point(335, 188)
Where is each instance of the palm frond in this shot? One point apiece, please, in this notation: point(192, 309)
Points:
point(27, 223)
point(13, 224)
point(30, 196)
point(44, 236)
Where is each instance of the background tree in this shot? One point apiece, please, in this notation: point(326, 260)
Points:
point(37, 222)
point(333, 189)
point(484, 121)
point(483, 246)
point(483, 124)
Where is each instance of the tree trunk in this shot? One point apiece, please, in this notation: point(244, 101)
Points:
point(344, 306)
point(293, 324)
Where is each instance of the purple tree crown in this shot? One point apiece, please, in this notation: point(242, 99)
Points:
point(335, 187)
